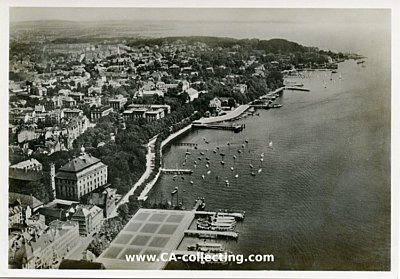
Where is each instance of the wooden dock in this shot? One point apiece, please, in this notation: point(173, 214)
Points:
point(212, 234)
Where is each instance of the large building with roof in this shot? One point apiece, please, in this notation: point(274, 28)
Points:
point(79, 177)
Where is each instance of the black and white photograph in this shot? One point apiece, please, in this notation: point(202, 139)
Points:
point(199, 139)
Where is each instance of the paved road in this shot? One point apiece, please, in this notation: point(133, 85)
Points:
point(150, 156)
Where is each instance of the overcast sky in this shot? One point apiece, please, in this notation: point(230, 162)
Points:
point(207, 14)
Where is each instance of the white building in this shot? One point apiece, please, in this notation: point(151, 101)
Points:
point(31, 164)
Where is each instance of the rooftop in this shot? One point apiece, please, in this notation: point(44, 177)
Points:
point(150, 231)
point(24, 199)
point(26, 163)
point(79, 163)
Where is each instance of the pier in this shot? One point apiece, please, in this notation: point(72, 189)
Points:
point(266, 106)
point(212, 234)
point(176, 171)
point(236, 128)
point(186, 144)
point(296, 88)
point(222, 118)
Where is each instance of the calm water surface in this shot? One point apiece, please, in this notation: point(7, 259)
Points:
point(322, 198)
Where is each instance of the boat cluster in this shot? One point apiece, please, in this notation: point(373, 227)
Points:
point(217, 222)
point(215, 251)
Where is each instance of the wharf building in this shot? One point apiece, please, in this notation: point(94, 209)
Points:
point(80, 176)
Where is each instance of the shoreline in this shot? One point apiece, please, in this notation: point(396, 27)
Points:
point(232, 115)
point(144, 194)
point(228, 117)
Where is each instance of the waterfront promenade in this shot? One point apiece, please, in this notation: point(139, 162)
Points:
point(150, 157)
point(149, 186)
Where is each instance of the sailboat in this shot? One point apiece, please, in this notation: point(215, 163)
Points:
point(270, 142)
